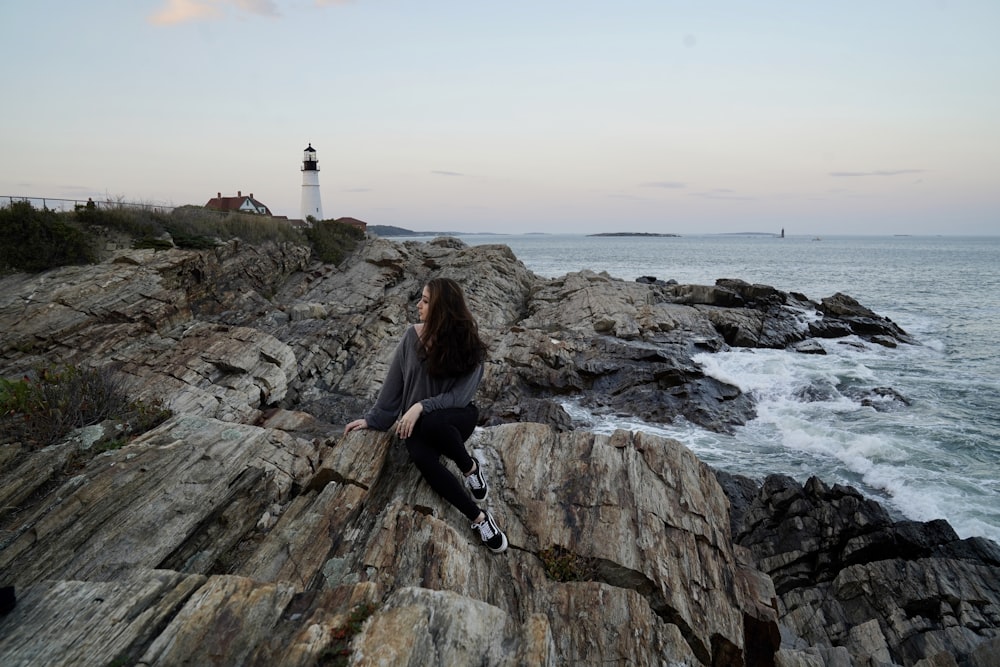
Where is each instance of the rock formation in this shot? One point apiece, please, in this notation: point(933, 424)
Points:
point(246, 530)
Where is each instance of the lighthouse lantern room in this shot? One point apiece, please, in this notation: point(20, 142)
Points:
point(311, 203)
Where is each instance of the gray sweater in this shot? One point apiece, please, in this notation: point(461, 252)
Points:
point(407, 383)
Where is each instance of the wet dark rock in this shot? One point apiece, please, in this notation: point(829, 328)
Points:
point(882, 399)
point(862, 320)
point(8, 599)
point(808, 347)
point(848, 574)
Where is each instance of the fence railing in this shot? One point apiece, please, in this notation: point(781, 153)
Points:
point(57, 204)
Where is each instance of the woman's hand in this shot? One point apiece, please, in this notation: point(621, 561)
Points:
point(406, 423)
point(355, 425)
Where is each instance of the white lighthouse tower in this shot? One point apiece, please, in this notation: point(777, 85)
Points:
point(311, 203)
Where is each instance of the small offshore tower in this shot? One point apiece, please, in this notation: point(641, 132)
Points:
point(311, 202)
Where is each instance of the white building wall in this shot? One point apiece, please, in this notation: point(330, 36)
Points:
point(311, 202)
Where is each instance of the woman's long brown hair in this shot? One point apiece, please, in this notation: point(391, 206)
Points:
point(450, 336)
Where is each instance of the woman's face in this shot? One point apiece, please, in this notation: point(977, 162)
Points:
point(424, 305)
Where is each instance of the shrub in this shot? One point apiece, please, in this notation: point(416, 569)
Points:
point(189, 227)
point(42, 408)
point(137, 223)
point(36, 240)
point(332, 240)
point(197, 227)
point(563, 565)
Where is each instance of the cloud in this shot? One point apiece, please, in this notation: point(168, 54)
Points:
point(669, 185)
point(358, 190)
point(879, 172)
point(446, 173)
point(182, 11)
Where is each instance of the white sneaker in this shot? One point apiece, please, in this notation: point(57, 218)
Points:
point(477, 483)
point(491, 534)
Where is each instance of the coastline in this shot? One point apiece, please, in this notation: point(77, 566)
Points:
point(288, 509)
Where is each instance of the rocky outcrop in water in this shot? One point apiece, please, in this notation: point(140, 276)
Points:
point(246, 530)
point(852, 582)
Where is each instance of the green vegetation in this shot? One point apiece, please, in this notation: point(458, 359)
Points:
point(563, 565)
point(338, 654)
point(41, 408)
point(134, 222)
point(35, 240)
point(194, 226)
point(332, 240)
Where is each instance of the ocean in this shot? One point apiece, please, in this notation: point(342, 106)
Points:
point(938, 458)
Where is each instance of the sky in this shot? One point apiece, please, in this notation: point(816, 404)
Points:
point(656, 116)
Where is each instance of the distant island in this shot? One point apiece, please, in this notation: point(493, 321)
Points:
point(389, 230)
point(393, 231)
point(633, 234)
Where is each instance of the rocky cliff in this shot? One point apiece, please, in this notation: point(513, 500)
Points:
point(246, 530)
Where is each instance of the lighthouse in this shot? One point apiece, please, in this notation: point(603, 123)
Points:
point(311, 203)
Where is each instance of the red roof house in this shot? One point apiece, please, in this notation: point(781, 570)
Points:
point(239, 204)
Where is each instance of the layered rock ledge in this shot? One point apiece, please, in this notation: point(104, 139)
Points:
point(246, 530)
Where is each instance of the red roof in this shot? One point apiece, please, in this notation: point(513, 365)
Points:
point(239, 204)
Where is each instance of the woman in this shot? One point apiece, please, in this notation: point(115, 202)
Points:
point(431, 381)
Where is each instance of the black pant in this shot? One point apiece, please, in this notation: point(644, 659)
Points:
point(445, 432)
